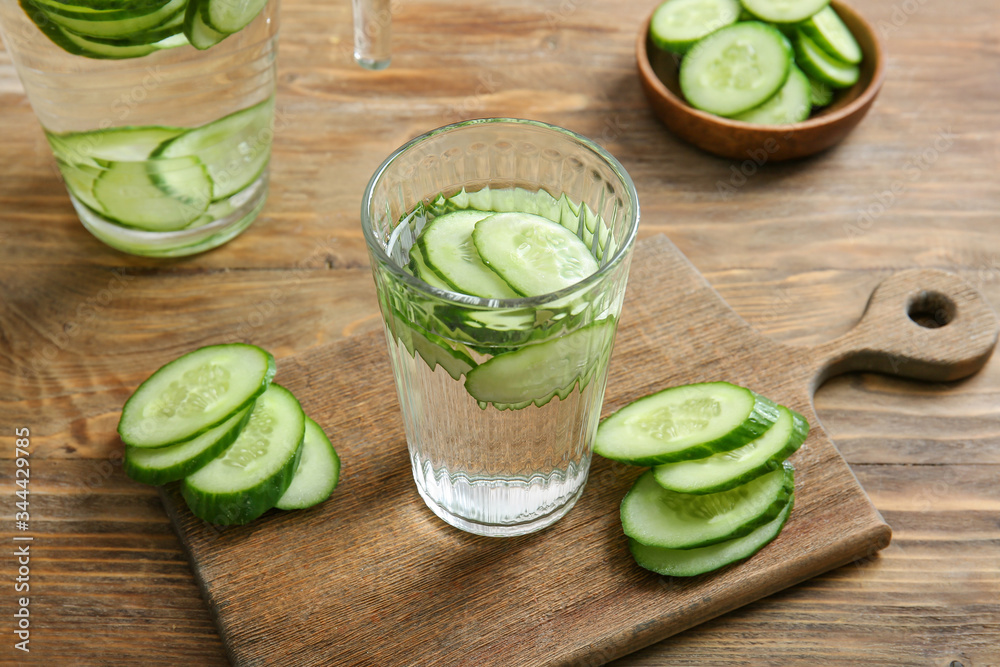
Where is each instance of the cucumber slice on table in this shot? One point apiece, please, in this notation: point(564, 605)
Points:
point(234, 149)
point(229, 16)
point(677, 24)
point(531, 253)
point(829, 32)
point(195, 393)
point(791, 104)
point(692, 562)
point(821, 66)
point(252, 474)
point(784, 11)
point(316, 473)
point(727, 470)
point(736, 68)
point(162, 195)
point(537, 373)
point(169, 464)
point(447, 247)
point(685, 422)
point(657, 517)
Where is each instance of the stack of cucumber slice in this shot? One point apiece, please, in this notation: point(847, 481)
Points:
point(239, 443)
point(134, 28)
point(768, 62)
point(720, 487)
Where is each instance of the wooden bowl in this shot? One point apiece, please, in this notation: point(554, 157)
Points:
point(739, 140)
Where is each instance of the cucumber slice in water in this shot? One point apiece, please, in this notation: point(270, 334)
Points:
point(316, 474)
point(537, 373)
point(254, 472)
point(122, 28)
point(677, 24)
point(821, 66)
point(419, 269)
point(657, 517)
point(169, 464)
point(531, 253)
point(195, 393)
point(791, 104)
point(229, 16)
point(831, 34)
point(161, 195)
point(434, 350)
point(446, 246)
point(692, 562)
point(784, 11)
point(100, 148)
point(234, 149)
point(685, 422)
point(736, 68)
point(201, 35)
point(727, 470)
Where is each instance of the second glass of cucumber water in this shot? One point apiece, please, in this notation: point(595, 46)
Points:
point(500, 250)
point(160, 113)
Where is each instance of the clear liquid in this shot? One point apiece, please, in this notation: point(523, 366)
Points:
point(489, 469)
point(178, 87)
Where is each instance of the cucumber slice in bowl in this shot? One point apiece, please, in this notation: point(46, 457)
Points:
point(316, 473)
point(784, 11)
point(736, 68)
point(727, 470)
point(791, 104)
point(692, 562)
point(169, 464)
point(831, 34)
point(531, 253)
point(195, 393)
point(822, 66)
point(250, 476)
point(685, 422)
point(677, 24)
point(657, 517)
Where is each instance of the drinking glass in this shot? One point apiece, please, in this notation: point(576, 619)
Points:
point(500, 397)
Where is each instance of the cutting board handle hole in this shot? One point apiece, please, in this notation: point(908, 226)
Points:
point(931, 310)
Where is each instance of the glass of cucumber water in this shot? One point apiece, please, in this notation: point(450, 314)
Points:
point(500, 250)
point(160, 113)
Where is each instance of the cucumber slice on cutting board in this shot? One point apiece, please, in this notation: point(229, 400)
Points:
point(784, 11)
point(252, 474)
point(169, 464)
point(677, 24)
point(531, 253)
point(727, 470)
point(736, 68)
point(692, 562)
point(195, 393)
point(657, 517)
point(316, 473)
point(685, 422)
point(446, 245)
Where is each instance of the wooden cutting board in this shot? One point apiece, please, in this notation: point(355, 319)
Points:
point(372, 577)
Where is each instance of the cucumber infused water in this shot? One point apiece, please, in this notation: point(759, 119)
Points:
point(160, 113)
point(501, 280)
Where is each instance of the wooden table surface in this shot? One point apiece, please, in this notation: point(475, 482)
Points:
point(795, 248)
